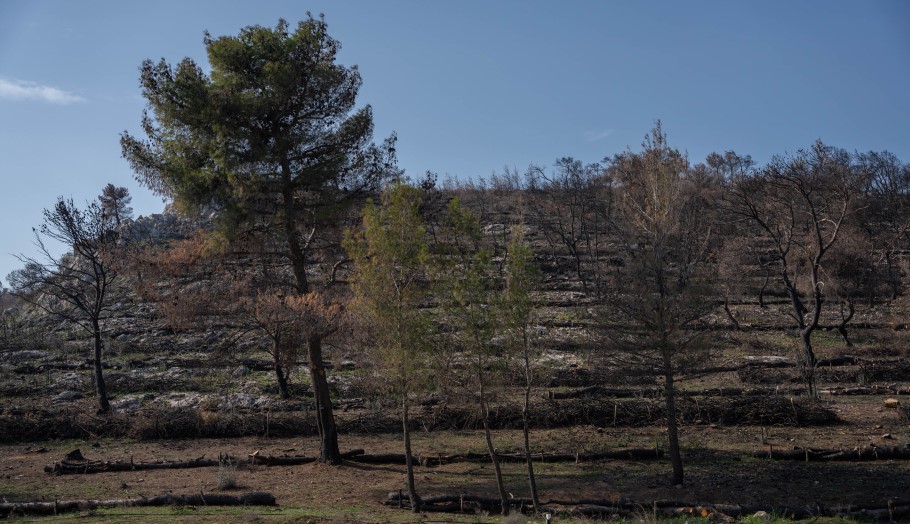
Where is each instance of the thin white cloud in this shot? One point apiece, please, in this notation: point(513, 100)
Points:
point(594, 136)
point(21, 90)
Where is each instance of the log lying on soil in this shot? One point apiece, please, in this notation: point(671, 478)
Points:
point(75, 464)
point(626, 508)
point(621, 454)
point(599, 391)
point(53, 508)
point(891, 389)
point(295, 460)
point(852, 455)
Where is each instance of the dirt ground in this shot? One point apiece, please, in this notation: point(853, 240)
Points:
point(719, 467)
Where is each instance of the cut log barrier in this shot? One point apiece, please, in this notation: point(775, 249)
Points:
point(200, 499)
point(464, 503)
point(75, 464)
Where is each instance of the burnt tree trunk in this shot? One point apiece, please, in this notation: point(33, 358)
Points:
point(282, 378)
point(730, 313)
point(325, 420)
point(103, 402)
point(761, 291)
point(672, 429)
point(845, 319)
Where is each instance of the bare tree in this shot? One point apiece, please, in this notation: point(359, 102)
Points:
point(851, 274)
point(75, 286)
point(799, 204)
point(884, 216)
point(571, 205)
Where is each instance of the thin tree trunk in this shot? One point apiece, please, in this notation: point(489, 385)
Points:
point(842, 327)
point(895, 283)
point(730, 313)
point(761, 291)
point(672, 429)
point(325, 420)
point(103, 402)
point(409, 457)
point(808, 361)
point(485, 416)
point(282, 380)
point(525, 416)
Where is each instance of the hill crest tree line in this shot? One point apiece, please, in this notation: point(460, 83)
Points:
point(318, 235)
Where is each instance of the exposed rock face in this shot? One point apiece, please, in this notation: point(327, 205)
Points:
point(165, 226)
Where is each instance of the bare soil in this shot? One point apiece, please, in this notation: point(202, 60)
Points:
point(720, 468)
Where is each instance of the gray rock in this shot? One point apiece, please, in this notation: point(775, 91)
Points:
point(67, 396)
point(241, 371)
point(28, 356)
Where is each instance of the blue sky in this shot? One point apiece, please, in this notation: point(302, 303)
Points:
point(469, 86)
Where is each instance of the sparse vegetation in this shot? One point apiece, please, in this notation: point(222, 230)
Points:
point(721, 314)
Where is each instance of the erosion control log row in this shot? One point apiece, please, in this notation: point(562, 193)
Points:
point(462, 503)
point(53, 508)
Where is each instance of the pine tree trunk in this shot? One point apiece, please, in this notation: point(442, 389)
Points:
point(100, 388)
point(409, 457)
point(485, 415)
point(525, 416)
point(282, 380)
point(672, 429)
point(325, 420)
point(730, 314)
point(761, 292)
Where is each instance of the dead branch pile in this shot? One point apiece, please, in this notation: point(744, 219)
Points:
point(601, 412)
point(37, 424)
point(194, 423)
point(757, 410)
point(838, 455)
point(768, 375)
point(40, 424)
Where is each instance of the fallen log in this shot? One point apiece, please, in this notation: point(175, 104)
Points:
point(294, 460)
point(75, 464)
point(891, 389)
point(460, 503)
point(835, 455)
point(53, 508)
point(72, 465)
point(439, 460)
point(600, 391)
point(463, 503)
